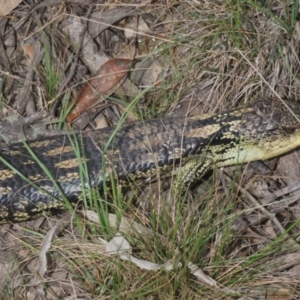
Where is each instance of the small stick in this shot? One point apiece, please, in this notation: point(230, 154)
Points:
point(74, 65)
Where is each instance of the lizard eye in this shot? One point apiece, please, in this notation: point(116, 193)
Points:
point(290, 129)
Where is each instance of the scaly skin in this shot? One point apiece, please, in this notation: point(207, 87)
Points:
point(137, 152)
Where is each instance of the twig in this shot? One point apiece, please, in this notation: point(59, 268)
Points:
point(5, 63)
point(23, 96)
point(271, 216)
point(74, 65)
point(48, 3)
point(221, 175)
point(32, 118)
point(280, 193)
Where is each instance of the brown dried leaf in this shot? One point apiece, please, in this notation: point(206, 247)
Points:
point(101, 20)
point(29, 50)
point(91, 56)
point(6, 6)
point(103, 83)
point(136, 27)
point(270, 229)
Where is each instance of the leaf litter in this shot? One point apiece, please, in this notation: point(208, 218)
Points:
point(194, 57)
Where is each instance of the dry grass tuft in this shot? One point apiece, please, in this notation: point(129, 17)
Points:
point(201, 56)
